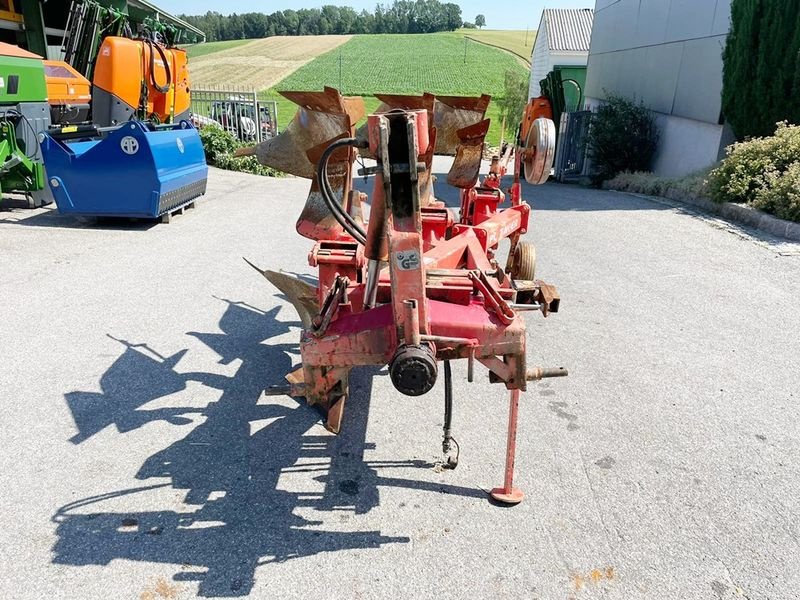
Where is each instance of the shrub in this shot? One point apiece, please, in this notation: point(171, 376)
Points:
point(781, 194)
point(622, 137)
point(763, 172)
point(217, 142)
point(690, 186)
point(246, 164)
point(219, 146)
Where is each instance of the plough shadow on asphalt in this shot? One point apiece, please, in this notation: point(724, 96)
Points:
point(235, 516)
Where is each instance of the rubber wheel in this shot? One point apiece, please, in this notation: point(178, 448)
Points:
point(524, 265)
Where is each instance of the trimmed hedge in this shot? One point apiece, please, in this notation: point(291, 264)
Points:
point(761, 73)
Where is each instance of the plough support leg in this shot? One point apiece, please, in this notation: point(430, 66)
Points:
point(508, 494)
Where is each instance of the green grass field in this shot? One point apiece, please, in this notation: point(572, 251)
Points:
point(407, 64)
point(196, 50)
point(518, 42)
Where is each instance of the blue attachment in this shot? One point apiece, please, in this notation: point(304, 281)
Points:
point(136, 170)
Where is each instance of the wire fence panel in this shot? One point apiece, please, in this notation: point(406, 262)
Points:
point(571, 160)
point(239, 112)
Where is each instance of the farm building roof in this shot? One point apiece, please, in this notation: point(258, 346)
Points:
point(568, 30)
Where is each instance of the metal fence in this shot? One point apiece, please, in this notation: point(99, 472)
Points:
point(238, 111)
point(573, 131)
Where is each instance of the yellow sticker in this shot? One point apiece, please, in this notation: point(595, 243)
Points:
point(69, 129)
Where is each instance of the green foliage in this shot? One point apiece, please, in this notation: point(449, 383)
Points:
point(468, 25)
point(246, 164)
point(217, 142)
point(402, 16)
point(763, 172)
point(623, 137)
point(515, 97)
point(761, 73)
point(219, 146)
point(480, 21)
point(781, 194)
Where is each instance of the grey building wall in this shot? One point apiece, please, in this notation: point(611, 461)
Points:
point(668, 54)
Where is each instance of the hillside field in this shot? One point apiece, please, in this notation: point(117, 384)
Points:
point(257, 64)
point(442, 63)
point(196, 50)
point(518, 42)
point(445, 63)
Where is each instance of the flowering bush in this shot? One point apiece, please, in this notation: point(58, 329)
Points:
point(762, 172)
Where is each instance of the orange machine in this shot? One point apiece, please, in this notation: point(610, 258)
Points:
point(68, 93)
point(139, 79)
point(537, 108)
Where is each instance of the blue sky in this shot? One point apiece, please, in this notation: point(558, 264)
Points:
point(500, 14)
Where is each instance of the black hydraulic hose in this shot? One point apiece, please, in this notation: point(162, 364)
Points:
point(448, 441)
point(155, 46)
point(448, 406)
point(342, 216)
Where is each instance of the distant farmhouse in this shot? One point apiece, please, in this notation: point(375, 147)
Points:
point(668, 54)
point(562, 41)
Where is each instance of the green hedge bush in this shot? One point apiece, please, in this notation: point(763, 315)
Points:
point(762, 172)
point(761, 75)
point(219, 146)
point(623, 137)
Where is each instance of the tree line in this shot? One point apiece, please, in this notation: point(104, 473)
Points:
point(402, 16)
point(762, 66)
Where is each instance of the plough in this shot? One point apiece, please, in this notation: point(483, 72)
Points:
point(411, 286)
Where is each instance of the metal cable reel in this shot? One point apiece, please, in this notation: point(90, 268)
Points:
point(539, 151)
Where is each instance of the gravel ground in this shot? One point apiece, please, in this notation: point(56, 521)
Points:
point(140, 458)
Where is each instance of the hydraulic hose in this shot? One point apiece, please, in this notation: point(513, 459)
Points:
point(153, 47)
point(340, 214)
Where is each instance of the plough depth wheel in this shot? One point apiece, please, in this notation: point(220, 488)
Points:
point(524, 265)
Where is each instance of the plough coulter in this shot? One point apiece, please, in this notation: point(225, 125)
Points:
point(411, 285)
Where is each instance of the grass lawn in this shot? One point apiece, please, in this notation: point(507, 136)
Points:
point(407, 64)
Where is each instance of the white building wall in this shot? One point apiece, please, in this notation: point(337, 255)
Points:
point(540, 63)
point(667, 54)
point(543, 61)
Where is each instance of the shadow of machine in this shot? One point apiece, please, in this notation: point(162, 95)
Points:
point(236, 512)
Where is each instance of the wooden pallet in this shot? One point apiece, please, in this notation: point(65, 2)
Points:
point(167, 216)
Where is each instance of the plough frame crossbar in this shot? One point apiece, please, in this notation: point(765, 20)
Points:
point(410, 286)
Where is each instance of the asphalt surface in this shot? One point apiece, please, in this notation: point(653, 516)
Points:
point(140, 458)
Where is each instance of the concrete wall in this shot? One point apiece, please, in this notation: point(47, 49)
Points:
point(668, 54)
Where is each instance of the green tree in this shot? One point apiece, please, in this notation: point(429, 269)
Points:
point(480, 21)
point(515, 97)
point(761, 73)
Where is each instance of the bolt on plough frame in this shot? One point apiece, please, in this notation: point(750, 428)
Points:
point(411, 286)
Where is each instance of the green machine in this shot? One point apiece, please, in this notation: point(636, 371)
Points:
point(24, 114)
